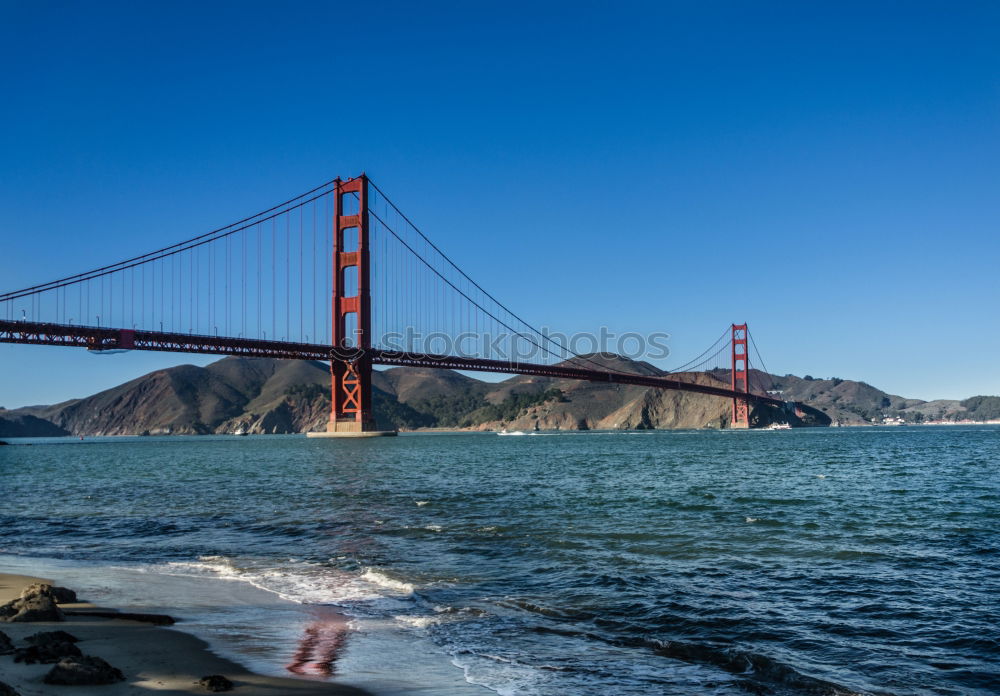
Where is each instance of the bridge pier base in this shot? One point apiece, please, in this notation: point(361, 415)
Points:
point(354, 433)
point(351, 427)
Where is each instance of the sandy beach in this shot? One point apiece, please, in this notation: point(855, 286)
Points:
point(152, 658)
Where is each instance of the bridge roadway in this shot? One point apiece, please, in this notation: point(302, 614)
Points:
point(107, 339)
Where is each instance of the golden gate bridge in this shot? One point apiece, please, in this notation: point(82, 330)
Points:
point(337, 274)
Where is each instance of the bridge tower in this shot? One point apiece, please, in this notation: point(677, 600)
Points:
point(350, 369)
point(740, 376)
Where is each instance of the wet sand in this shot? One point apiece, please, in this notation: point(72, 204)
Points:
point(153, 659)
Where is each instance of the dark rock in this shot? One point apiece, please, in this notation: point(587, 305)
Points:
point(81, 671)
point(64, 595)
point(1, 683)
point(36, 603)
point(6, 689)
point(46, 653)
point(51, 637)
point(216, 682)
point(155, 619)
point(6, 647)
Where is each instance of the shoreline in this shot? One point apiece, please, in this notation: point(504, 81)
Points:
point(170, 661)
point(19, 440)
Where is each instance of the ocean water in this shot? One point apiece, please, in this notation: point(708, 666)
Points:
point(827, 561)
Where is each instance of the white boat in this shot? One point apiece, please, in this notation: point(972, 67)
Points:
point(778, 426)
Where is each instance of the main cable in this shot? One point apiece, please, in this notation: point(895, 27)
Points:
point(502, 306)
point(173, 248)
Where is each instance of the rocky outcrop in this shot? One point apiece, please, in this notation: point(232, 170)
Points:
point(216, 683)
point(8, 690)
point(46, 653)
point(6, 646)
point(48, 647)
point(286, 415)
point(61, 595)
point(155, 619)
point(51, 637)
point(82, 671)
point(36, 603)
point(64, 595)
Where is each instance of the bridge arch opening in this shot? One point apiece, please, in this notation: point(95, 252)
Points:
point(350, 281)
point(350, 239)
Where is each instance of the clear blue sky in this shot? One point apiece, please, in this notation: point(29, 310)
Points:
point(827, 173)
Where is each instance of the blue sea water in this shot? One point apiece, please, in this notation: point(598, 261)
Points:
point(822, 561)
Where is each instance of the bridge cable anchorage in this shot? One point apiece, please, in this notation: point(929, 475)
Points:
point(160, 253)
point(480, 288)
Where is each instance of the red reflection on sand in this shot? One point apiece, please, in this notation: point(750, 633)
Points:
point(320, 645)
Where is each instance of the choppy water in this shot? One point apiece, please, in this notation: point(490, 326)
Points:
point(791, 562)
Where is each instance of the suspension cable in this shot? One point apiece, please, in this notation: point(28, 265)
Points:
point(767, 372)
point(173, 248)
point(691, 363)
point(482, 290)
point(179, 248)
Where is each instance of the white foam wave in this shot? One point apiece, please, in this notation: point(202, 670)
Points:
point(300, 581)
point(380, 579)
point(417, 621)
point(501, 675)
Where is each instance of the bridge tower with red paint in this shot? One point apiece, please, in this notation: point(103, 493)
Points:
point(740, 377)
point(350, 359)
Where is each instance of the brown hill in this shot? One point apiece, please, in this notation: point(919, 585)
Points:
point(26, 425)
point(272, 396)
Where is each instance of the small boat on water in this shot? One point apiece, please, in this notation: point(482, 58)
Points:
point(777, 426)
point(504, 431)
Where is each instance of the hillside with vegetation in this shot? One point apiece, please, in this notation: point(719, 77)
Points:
point(273, 396)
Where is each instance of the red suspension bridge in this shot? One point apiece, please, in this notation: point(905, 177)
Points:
point(337, 274)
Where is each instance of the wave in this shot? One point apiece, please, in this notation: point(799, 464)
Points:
point(302, 582)
point(753, 667)
point(377, 577)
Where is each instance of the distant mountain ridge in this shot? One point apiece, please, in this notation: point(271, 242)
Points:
point(260, 395)
point(850, 402)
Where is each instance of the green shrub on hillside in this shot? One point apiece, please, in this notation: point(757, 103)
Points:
point(445, 411)
point(512, 407)
point(981, 408)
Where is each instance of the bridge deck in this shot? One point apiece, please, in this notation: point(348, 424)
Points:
point(106, 339)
